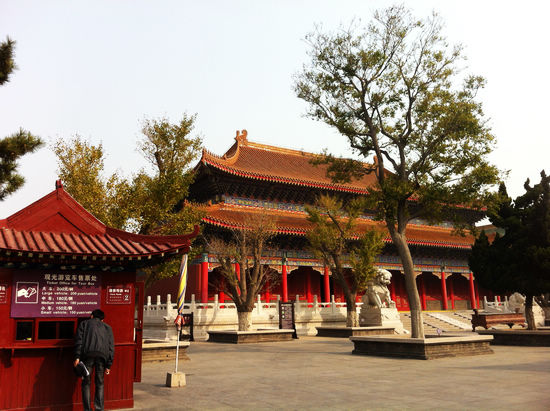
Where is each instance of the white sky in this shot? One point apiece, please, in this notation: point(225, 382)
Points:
point(97, 68)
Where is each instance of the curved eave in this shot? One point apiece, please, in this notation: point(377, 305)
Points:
point(303, 233)
point(285, 180)
point(61, 259)
point(117, 247)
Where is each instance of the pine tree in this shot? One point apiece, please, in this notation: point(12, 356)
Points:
point(519, 260)
point(18, 144)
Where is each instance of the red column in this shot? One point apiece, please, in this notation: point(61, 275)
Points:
point(238, 271)
point(267, 292)
point(326, 278)
point(452, 291)
point(204, 278)
point(422, 292)
point(222, 294)
point(392, 291)
point(308, 287)
point(444, 291)
point(284, 283)
point(472, 291)
point(477, 293)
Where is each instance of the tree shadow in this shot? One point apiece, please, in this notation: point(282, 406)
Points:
point(55, 386)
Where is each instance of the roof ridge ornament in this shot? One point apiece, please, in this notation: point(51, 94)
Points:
point(58, 184)
point(241, 137)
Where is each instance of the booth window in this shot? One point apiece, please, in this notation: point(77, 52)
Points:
point(23, 330)
point(55, 330)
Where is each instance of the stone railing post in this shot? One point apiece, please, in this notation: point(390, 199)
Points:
point(193, 304)
point(332, 304)
point(216, 302)
point(315, 304)
point(259, 304)
point(157, 308)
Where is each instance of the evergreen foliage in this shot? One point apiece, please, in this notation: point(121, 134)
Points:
point(13, 147)
point(518, 260)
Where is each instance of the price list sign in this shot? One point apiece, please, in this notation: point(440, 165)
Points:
point(55, 295)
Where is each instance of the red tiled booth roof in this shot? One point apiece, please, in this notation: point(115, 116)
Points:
point(276, 164)
point(57, 226)
point(295, 223)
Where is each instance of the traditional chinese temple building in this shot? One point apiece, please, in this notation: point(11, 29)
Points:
point(252, 178)
point(57, 264)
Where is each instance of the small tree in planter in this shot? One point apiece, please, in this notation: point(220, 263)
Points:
point(520, 259)
point(246, 248)
point(335, 235)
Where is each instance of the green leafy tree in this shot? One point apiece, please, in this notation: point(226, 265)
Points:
point(150, 202)
point(13, 147)
point(519, 260)
point(335, 237)
point(390, 90)
point(81, 168)
point(170, 150)
point(245, 247)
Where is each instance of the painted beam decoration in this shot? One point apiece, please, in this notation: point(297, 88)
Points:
point(55, 294)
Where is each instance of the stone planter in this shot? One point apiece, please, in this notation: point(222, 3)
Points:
point(345, 332)
point(533, 338)
point(254, 336)
point(428, 348)
point(163, 351)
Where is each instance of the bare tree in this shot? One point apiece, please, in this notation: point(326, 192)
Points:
point(246, 248)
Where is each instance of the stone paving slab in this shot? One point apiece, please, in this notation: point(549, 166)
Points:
point(321, 373)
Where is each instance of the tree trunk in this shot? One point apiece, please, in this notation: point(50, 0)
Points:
point(417, 325)
point(529, 316)
point(245, 320)
point(352, 320)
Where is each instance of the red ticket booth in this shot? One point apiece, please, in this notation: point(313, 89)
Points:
point(57, 264)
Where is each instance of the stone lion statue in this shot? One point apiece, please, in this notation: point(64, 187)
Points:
point(377, 294)
point(516, 303)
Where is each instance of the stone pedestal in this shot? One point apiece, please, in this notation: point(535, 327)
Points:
point(346, 332)
point(253, 336)
point(381, 317)
point(175, 379)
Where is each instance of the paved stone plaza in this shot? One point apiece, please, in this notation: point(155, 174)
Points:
point(321, 373)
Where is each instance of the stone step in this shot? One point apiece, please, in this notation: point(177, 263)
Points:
point(432, 324)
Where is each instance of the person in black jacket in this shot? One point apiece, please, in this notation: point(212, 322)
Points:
point(95, 347)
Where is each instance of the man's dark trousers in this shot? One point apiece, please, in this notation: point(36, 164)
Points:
point(99, 365)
